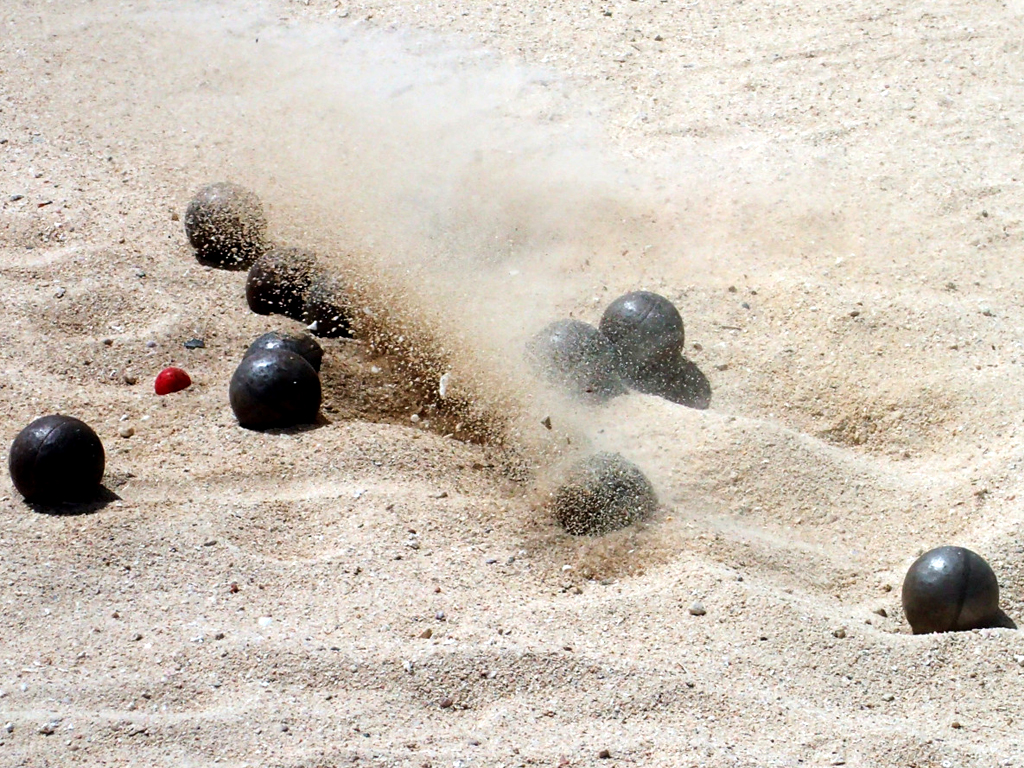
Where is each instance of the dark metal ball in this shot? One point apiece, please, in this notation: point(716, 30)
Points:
point(328, 307)
point(57, 458)
point(278, 281)
point(950, 589)
point(225, 225)
point(603, 493)
point(645, 328)
point(578, 358)
point(303, 345)
point(275, 388)
point(676, 379)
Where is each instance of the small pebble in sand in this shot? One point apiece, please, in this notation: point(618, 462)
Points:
point(225, 225)
point(57, 458)
point(697, 609)
point(171, 380)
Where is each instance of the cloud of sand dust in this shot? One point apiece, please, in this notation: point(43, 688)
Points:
point(469, 201)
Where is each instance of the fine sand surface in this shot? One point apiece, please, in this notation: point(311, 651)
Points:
point(833, 195)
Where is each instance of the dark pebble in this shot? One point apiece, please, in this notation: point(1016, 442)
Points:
point(195, 344)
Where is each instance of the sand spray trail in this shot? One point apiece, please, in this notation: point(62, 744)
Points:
point(469, 201)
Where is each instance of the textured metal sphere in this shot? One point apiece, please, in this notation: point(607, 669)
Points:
point(327, 305)
point(278, 281)
point(645, 329)
point(275, 388)
point(303, 345)
point(57, 458)
point(950, 589)
point(576, 357)
point(603, 493)
point(225, 225)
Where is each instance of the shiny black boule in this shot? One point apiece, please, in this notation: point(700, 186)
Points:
point(327, 310)
point(275, 388)
point(225, 225)
point(645, 329)
point(303, 345)
point(576, 357)
point(951, 589)
point(57, 458)
point(278, 281)
point(603, 493)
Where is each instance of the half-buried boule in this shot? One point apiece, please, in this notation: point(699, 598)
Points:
point(225, 225)
point(57, 458)
point(275, 388)
point(603, 493)
point(278, 281)
point(303, 344)
point(951, 589)
point(577, 358)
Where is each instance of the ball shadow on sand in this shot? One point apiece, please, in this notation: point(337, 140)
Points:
point(1002, 621)
point(678, 380)
point(87, 505)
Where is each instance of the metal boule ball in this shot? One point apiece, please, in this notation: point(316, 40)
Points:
point(327, 309)
point(645, 328)
point(577, 358)
point(225, 225)
point(275, 388)
point(603, 493)
point(950, 589)
point(675, 379)
point(301, 344)
point(57, 458)
point(278, 281)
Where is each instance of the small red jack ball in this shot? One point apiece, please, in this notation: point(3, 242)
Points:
point(171, 380)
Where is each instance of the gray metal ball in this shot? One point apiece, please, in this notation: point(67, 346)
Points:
point(645, 329)
point(950, 589)
point(576, 357)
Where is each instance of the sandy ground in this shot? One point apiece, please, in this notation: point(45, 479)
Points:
point(831, 193)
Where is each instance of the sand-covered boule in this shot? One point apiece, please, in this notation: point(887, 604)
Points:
point(577, 358)
point(327, 310)
point(226, 226)
point(603, 493)
point(951, 589)
point(57, 458)
point(278, 282)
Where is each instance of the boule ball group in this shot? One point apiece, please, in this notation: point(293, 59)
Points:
point(638, 344)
